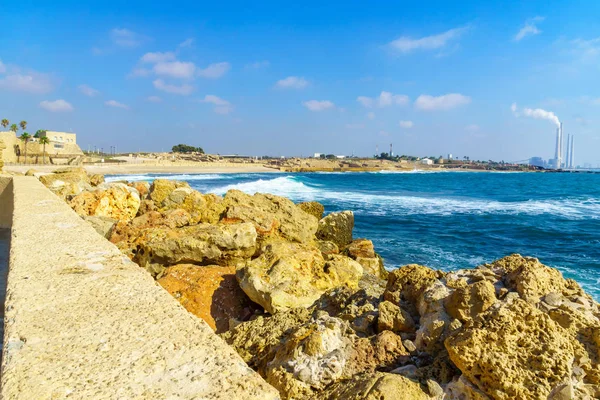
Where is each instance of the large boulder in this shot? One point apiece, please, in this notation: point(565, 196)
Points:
point(363, 251)
point(114, 200)
point(67, 183)
point(161, 189)
point(96, 179)
point(202, 244)
point(257, 340)
point(271, 215)
point(210, 292)
point(288, 275)
point(310, 358)
point(513, 351)
point(375, 386)
point(337, 227)
point(313, 208)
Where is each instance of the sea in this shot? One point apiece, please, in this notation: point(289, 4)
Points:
point(448, 220)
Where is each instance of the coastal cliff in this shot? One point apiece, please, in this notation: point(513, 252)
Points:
point(312, 309)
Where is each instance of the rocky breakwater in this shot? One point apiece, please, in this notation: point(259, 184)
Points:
point(312, 309)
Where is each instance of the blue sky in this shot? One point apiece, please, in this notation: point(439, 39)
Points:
point(294, 79)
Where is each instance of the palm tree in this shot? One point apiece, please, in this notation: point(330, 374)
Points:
point(25, 138)
point(23, 124)
point(5, 123)
point(44, 141)
point(14, 128)
point(39, 133)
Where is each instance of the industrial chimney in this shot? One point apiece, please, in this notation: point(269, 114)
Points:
point(557, 151)
point(572, 164)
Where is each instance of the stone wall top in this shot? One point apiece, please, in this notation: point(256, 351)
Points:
point(85, 322)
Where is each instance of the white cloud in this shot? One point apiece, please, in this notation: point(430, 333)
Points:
point(175, 69)
point(537, 113)
point(154, 99)
point(157, 57)
point(214, 71)
point(184, 89)
point(444, 102)
point(371, 115)
point(586, 48)
point(116, 104)
point(2, 67)
point(407, 44)
point(292, 82)
point(125, 38)
point(87, 90)
point(56, 105)
point(406, 124)
point(30, 82)
point(529, 28)
point(258, 65)
point(318, 105)
point(222, 105)
point(385, 99)
point(187, 43)
point(365, 101)
point(140, 72)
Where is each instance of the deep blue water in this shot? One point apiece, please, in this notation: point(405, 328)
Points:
point(450, 220)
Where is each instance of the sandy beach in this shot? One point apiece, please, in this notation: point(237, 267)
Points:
point(161, 168)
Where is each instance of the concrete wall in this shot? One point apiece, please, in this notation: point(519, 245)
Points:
point(84, 322)
point(6, 201)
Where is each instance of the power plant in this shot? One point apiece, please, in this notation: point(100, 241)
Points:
point(563, 159)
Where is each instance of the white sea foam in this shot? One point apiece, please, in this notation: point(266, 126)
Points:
point(175, 177)
point(380, 204)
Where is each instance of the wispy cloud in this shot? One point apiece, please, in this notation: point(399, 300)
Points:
point(140, 73)
point(175, 69)
point(406, 124)
point(19, 80)
point(116, 104)
point(183, 90)
point(472, 128)
point(586, 48)
point(125, 38)
point(153, 99)
point(214, 71)
point(222, 106)
point(445, 102)
point(56, 105)
point(258, 65)
point(156, 57)
point(2, 67)
point(318, 105)
point(406, 44)
point(384, 99)
point(292, 82)
point(371, 115)
point(186, 43)
point(88, 90)
point(529, 29)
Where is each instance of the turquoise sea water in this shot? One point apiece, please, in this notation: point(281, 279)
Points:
point(449, 220)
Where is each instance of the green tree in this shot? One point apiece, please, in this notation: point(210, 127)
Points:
point(25, 138)
point(5, 123)
point(44, 141)
point(23, 125)
point(184, 148)
point(39, 133)
point(14, 128)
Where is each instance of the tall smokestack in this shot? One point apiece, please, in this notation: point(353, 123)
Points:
point(562, 145)
point(557, 151)
point(571, 152)
point(391, 150)
point(568, 148)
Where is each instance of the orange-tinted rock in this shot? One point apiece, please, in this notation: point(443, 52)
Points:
point(211, 293)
